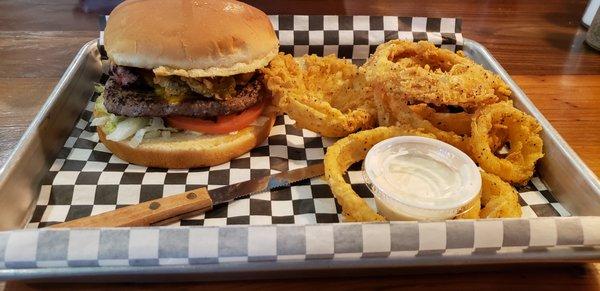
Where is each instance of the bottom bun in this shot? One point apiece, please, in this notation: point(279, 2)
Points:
point(187, 150)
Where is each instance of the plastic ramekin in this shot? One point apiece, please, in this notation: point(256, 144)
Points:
point(414, 207)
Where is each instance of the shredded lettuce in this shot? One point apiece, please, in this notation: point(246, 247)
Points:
point(121, 128)
point(126, 128)
point(99, 121)
point(99, 105)
point(154, 129)
point(153, 134)
point(137, 138)
point(111, 123)
point(98, 88)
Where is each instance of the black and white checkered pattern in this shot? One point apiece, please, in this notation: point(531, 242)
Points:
point(402, 243)
point(86, 179)
point(356, 37)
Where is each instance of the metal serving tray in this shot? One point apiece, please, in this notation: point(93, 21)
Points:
point(574, 185)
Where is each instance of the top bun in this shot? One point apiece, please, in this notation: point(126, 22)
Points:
point(190, 38)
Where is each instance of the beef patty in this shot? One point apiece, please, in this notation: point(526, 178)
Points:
point(135, 100)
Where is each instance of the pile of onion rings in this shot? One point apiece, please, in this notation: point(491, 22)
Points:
point(410, 88)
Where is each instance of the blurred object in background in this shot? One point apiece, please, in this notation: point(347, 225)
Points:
point(590, 10)
point(592, 37)
point(101, 7)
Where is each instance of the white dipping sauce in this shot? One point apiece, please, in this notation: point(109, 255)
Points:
point(417, 178)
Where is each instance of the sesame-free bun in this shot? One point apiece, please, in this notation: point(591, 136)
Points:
point(190, 38)
point(185, 150)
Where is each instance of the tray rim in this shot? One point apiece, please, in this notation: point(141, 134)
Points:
point(16, 153)
point(28, 139)
point(246, 270)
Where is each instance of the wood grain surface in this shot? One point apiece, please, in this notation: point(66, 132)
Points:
point(539, 42)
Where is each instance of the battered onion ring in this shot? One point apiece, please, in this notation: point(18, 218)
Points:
point(523, 133)
point(421, 72)
point(348, 151)
point(498, 198)
point(394, 111)
point(459, 123)
point(324, 94)
point(473, 210)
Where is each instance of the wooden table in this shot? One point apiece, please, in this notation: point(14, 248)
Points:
point(539, 42)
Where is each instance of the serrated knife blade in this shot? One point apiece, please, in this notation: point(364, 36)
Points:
point(283, 179)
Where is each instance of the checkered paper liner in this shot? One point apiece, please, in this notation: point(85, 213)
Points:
point(397, 242)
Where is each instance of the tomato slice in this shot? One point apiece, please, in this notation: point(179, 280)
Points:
point(223, 124)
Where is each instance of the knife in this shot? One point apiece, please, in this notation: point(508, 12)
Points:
point(191, 203)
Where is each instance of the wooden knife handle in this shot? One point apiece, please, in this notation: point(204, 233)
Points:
point(147, 213)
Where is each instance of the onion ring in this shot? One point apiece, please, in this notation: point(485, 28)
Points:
point(522, 132)
point(348, 151)
point(498, 198)
point(473, 210)
point(324, 94)
point(459, 123)
point(394, 111)
point(420, 72)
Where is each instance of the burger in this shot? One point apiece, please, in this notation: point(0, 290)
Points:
point(185, 87)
